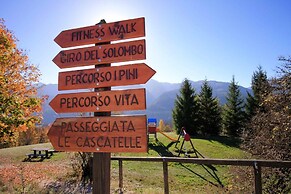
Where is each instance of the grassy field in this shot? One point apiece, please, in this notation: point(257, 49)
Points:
point(17, 176)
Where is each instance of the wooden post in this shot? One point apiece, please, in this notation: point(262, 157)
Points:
point(258, 178)
point(101, 161)
point(181, 147)
point(120, 176)
point(179, 138)
point(166, 177)
point(101, 173)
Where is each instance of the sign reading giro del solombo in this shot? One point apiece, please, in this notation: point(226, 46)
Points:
point(115, 133)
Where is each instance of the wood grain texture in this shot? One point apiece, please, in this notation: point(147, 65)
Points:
point(116, 100)
point(105, 77)
point(120, 30)
point(99, 134)
point(101, 54)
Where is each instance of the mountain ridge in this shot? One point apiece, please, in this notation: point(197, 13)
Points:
point(160, 97)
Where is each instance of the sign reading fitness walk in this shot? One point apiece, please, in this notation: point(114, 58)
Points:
point(116, 133)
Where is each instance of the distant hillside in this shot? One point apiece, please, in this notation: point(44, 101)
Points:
point(162, 107)
point(160, 98)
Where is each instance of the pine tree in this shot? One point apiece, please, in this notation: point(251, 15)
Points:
point(260, 85)
point(270, 130)
point(250, 106)
point(233, 112)
point(185, 112)
point(210, 114)
point(260, 88)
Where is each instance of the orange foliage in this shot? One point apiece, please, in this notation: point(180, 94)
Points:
point(20, 107)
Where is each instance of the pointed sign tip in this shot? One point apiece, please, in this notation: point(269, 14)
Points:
point(56, 61)
point(58, 39)
point(68, 38)
point(52, 103)
point(151, 72)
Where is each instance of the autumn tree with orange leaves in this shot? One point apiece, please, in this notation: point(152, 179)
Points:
point(20, 108)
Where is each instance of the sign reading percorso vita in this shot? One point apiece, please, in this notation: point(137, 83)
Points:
point(116, 100)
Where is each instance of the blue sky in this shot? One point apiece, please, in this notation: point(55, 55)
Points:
point(194, 39)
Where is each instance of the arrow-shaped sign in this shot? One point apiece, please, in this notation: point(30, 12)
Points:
point(106, 32)
point(117, 100)
point(99, 134)
point(105, 77)
point(108, 53)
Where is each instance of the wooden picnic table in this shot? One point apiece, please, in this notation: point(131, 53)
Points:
point(40, 152)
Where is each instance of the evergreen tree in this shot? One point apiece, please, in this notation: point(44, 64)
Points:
point(269, 136)
point(210, 114)
point(261, 88)
point(260, 85)
point(233, 113)
point(250, 106)
point(185, 113)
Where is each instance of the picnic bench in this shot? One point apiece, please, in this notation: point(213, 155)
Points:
point(40, 153)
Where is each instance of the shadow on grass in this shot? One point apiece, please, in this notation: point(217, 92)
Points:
point(163, 151)
point(33, 160)
point(210, 171)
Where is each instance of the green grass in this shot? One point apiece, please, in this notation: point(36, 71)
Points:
point(147, 177)
point(183, 177)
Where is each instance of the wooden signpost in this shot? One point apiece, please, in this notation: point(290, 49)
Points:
point(102, 54)
point(126, 29)
point(104, 101)
point(103, 133)
point(105, 77)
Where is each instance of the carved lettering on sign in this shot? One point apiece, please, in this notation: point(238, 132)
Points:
point(116, 100)
point(106, 32)
point(109, 53)
point(106, 76)
point(104, 134)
